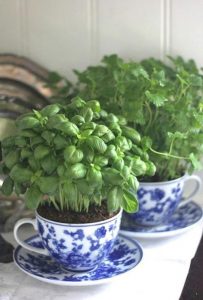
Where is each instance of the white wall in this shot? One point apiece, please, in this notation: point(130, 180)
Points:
point(67, 34)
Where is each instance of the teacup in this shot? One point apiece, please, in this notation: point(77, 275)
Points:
point(76, 247)
point(159, 200)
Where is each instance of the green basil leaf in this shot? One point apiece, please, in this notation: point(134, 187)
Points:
point(111, 152)
point(50, 110)
point(122, 143)
point(129, 202)
point(129, 161)
point(112, 176)
point(100, 130)
point(109, 136)
point(28, 133)
point(41, 151)
point(3, 169)
point(48, 136)
point(7, 186)
point(61, 170)
point(20, 141)
point(94, 177)
point(88, 154)
point(78, 120)
point(121, 120)
point(118, 163)
point(139, 167)
point(115, 127)
point(69, 128)
point(11, 159)
point(49, 163)
point(33, 197)
point(60, 142)
point(85, 133)
point(131, 133)
point(114, 199)
point(56, 121)
point(112, 118)
point(25, 153)
point(100, 161)
point(87, 114)
point(84, 187)
point(73, 155)
point(133, 183)
point(34, 164)
point(77, 102)
point(151, 168)
point(146, 143)
point(48, 185)
point(70, 191)
point(37, 114)
point(27, 122)
point(20, 174)
point(20, 189)
point(126, 171)
point(77, 171)
point(8, 142)
point(136, 150)
point(103, 114)
point(36, 140)
point(94, 105)
point(96, 143)
point(88, 125)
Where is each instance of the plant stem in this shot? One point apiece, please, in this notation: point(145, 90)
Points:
point(171, 146)
point(168, 154)
point(155, 115)
point(60, 197)
point(150, 116)
point(54, 202)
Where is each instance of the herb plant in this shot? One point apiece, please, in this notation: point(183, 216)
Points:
point(75, 155)
point(163, 102)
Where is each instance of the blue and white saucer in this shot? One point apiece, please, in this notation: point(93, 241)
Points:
point(182, 220)
point(125, 255)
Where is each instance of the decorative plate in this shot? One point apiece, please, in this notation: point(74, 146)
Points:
point(125, 255)
point(182, 220)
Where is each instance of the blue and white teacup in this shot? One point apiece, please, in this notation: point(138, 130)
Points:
point(76, 247)
point(159, 200)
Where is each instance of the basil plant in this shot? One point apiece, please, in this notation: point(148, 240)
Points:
point(75, 155)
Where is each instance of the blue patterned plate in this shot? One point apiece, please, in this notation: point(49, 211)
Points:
point(182, 220)
point(125, 255)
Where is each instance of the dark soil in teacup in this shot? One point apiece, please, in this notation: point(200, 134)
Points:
point(157, 178)
point(95, 214)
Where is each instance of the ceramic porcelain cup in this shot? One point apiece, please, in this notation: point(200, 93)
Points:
point(77, 247)
point(159, 200)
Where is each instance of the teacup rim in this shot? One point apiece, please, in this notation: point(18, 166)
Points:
point(80, 224)
point(164, 182)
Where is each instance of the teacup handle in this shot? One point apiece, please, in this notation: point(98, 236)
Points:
point(198, 181)
point(23, 244)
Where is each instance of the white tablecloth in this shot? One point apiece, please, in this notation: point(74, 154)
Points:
point(160, 276)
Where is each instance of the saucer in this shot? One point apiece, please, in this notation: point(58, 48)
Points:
point(183, 219)
point(125, 255)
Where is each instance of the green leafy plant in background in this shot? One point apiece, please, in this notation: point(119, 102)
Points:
point(163, 102)
point(73, 156)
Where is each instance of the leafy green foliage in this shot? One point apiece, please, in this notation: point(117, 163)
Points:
point(163, 102)
point(75, 155)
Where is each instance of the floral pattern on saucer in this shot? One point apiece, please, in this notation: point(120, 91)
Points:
point(185, 216)
point(125, 255)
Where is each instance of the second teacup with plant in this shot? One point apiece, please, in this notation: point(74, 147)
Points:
point(164, 103)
